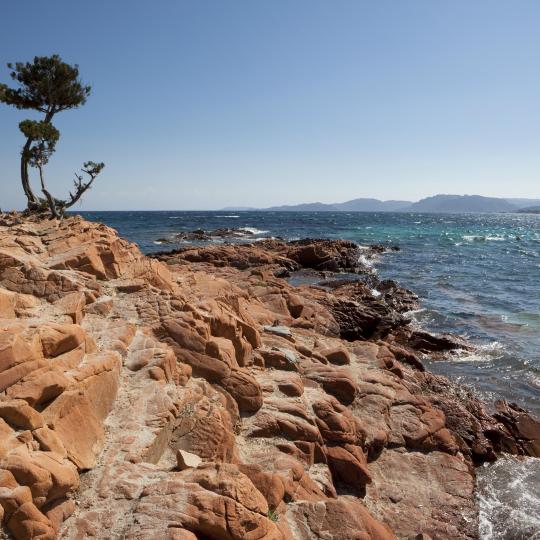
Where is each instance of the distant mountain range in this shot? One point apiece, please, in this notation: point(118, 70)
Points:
point(462, 203)
point(436, 204)
point(356, 205)
point(530, 210)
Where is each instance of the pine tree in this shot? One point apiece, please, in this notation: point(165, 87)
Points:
point(47, 85)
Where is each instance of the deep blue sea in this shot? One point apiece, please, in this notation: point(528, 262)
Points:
point(477, 275)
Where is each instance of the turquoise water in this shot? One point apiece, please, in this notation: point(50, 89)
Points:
point(476, 275)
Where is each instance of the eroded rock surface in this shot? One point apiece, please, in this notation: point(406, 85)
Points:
point(208, 398)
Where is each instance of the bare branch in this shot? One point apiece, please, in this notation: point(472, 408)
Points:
point(92, 170)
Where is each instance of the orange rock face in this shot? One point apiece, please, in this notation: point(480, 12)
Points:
point(208, 398)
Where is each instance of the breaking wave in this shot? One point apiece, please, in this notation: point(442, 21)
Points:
point(253, 230)
point(509, 499)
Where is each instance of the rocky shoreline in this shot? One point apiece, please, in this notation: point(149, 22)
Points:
point(200, 394)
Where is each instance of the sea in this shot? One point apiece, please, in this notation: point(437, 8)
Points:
point(477, 275)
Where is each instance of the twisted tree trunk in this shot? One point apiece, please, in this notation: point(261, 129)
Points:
point(49, 197)
point(33, 202)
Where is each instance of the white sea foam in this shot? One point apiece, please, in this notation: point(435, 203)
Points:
point(375, 293)
point(252, 230)
point(483, 353)
point(473, 238)
point(231, 216)
point(482, 238)
point(413, 312)
point(418, 323)
point(363, 260)
point(508, 494)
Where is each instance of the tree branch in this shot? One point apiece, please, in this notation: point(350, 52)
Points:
point(92, 170)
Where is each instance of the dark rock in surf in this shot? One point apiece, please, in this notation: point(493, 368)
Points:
point(379, 248)
point(524, 429)
point(427, 342)
point(200, 235)
point(332, 255)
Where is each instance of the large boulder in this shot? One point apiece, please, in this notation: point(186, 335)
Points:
point(50, 477)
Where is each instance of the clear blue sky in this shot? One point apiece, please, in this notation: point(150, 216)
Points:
point(201, 104)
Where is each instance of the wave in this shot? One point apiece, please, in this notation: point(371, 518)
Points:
point(413, 312)
point(253, 230)
point(483, 353)
point(509, 498)
point(473, 238)
point(483, 238)
point(229, 216)
point(364, 261)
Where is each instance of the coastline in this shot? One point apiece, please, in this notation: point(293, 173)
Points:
point(310, 408)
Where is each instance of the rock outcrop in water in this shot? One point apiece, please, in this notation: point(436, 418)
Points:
point(321, 255)
point(208, 398)
point(200, 235)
